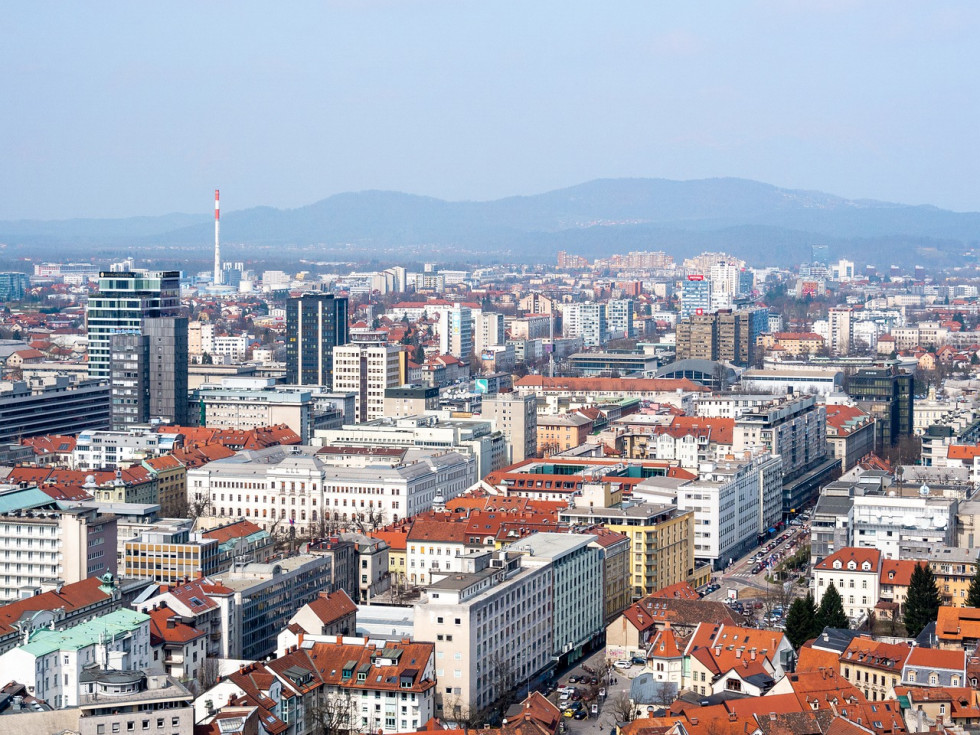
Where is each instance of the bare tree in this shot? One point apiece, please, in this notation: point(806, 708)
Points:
point(621, 707)
point(207, 674)
point(665, 693)
point(333, 714)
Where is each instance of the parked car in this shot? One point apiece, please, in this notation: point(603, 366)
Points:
point(622, 664)
point(581, 714)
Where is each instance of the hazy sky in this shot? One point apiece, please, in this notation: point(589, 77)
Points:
point(117, 109)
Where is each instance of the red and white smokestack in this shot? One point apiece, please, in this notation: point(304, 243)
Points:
point(217, 240)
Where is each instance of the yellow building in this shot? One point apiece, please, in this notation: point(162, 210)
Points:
point(661, 539)
point(954, 569)
point(171, 477)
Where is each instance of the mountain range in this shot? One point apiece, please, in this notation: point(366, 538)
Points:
point(765, 224)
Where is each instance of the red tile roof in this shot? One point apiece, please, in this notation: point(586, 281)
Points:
point(333, 606)
point(71, 597)
point(852, 553)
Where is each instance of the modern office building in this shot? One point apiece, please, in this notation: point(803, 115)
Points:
point(315, 324)
point(887, 394)
point(129, 380)
point(695, 296)
point(123, 302)
point(54, 405)
point(492, 626)
point(14, 286)
point(245, 403)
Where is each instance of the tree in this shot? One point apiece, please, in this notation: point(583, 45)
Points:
point(801, 620)
point(923, 601)
point(206, 359)
point(831, 611)
point(973, 596)
point(334, 714)
point(621, 707)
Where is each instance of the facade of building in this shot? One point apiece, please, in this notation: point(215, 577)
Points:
point(167, 367)
point(300, 486)
point(245, 403)
point(367, 370)
point(588, 321)
point(129, 378)
point(38, 546)
point(456, 331)
point(315, 324)
point(887, 394)
point(123, 301)
point(492, 625)
point(55, 405)
point(517, 417)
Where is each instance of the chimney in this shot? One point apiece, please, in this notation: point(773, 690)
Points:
point(732, 716)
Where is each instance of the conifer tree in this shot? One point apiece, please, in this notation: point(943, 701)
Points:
point(973, 596)
point(801, 621)
point(831, 611)
point(923, 600)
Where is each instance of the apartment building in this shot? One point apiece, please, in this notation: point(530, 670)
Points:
point(855, 572)
point(52, 663)
point(517, 417)
point(41, 545)
point(661, 540)
point(367, 370)
point(492, 628)
point(96, 450)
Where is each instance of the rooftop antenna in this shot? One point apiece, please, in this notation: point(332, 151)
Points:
point(217, 242)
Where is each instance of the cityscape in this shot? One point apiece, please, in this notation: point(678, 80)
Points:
point(451, 369)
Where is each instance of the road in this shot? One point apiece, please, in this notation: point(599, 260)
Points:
point(605, 720)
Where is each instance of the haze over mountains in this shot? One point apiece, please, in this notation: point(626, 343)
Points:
point(764, 224)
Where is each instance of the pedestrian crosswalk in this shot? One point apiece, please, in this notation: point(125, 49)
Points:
point(741, 574)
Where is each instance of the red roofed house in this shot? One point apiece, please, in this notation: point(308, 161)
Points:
point(850, 434)
point(729, 658)
point(855, 572)
point(332, 613)
point(178, 646)
point(874, 667)
point(894, 578)
point(934, 667)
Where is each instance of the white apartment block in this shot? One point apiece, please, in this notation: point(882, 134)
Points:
point(366, 370)
point(50, 662)
point(794, 427)
point(840, 330)
point(231, 347)
point(37, 546)
point(299, 486)
point(492, 626)
point(587, 321)
point(488, 331)
point(200, 338)
point(456, 331)
point(96, 450)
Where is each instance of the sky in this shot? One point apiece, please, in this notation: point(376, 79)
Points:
point(113, 109)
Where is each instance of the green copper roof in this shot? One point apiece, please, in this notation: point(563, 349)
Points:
point(44, 641)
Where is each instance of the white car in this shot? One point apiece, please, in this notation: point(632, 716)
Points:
point(622, 664)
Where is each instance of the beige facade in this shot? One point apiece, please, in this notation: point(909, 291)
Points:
point(366, 370)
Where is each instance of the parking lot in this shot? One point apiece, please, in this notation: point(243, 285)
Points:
point(602, 695)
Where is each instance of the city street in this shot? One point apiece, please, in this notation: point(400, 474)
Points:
point(605, 720)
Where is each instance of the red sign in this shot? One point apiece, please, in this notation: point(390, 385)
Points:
point(695, 278)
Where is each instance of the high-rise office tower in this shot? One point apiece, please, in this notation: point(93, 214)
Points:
point(123, 301)
point(167, 367)
point(129, 380)
point(148, 373)
point(695, 296)
point(315, 324)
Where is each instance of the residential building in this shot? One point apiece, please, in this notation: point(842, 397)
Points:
point(330, 614)
point(933, 667)
point(725, 335)
point(53, 663)
point(588, 321)
point(874, 667)
point(562, 432)
point(488, 331)
point(68, 544)
point(180, 648)
point(516, 416)
point(367, 370)
point(661, 540)
point(14, 286)
point(839, 322)
point(855, 572)
point(850, 434)
point(101, 449)
point(124, 300)
point(410, 400)
point(315, 324)
point(456, 331)
point(619, 318)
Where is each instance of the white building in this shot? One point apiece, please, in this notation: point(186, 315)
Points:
point(299, 486)
point(733, 503)
point(855, 572)
point(488, 331)
point(233, 348)
point(619, 318)
point(588, 321)
point(840, 330)
point(96, 450)
point(475, 437)
point(50, 662)
point(245, 403)
point(492, 626)
point(456, 332)
point(366, 370)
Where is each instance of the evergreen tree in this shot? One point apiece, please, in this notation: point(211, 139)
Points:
point(923, 601)
point(973, 596)
point(831, 612)
point(801, 621)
